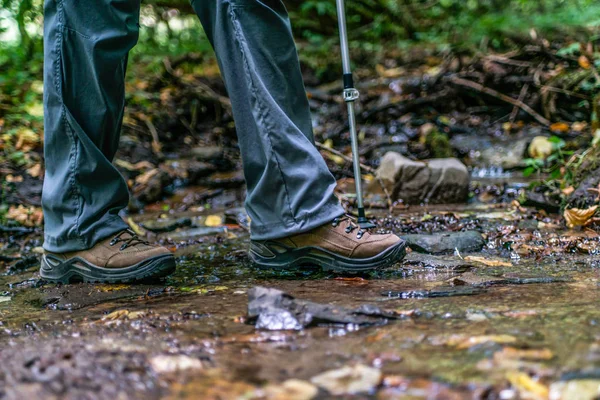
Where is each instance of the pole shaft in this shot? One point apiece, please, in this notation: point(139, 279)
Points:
point(341, 10)
point(348, 84)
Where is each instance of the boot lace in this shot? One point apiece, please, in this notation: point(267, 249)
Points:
point(130, 241)
point(350, 225)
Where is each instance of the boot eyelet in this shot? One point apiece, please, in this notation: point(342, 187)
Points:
point(112, 242)
point(348, 230)
point(360, 234)
point(123, 247)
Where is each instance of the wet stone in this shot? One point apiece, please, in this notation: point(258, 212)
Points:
point(444, 263)
point(470, 278)
point(445, 243)
point(189, 234)
point(272, 309)
point(442, 291)
point(166, 224)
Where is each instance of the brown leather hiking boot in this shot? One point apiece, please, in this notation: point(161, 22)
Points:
point(338, 246)
point(122, 258)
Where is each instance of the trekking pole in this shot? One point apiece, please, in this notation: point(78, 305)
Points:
point(350, 95)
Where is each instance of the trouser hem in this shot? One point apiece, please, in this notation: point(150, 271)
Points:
point(101, 231)
point(301, 224)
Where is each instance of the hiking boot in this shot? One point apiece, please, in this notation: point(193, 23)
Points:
point(123, 258)
point(339, 246)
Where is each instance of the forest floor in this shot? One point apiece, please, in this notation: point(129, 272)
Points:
point(506, 308)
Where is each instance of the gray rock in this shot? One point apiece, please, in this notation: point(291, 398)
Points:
point(441, 180)
point(445, 242)
point(165, 224)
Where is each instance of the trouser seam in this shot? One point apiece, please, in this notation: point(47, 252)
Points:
point(262, 117)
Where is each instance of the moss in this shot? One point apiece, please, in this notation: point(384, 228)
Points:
point(438, 144)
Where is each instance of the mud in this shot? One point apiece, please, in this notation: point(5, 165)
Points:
point(519, 319)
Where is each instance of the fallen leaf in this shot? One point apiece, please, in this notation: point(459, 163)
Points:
point(292, 389)
point(578, 217)
point(111, 287)
point(523, 354)
point(13, 179)
point(136, 227)
point(540, 147)
point(489, 262)
point(144, 178)
point(35, 171)
point(133, 167)
point(567, 191)
point(561, 127)
point(163, 364)
point(26, 137)
point(579, 126)
point(460, 342)
point(524, 383)
point(348, 380)
point(115, 315)
point(213, 221)
point(389, 73)
point(584, 62)
point(26, 216)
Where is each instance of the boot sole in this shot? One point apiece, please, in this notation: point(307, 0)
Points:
point(79, 270)
point(326, 260)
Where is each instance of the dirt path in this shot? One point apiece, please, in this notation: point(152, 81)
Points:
point(527, 327)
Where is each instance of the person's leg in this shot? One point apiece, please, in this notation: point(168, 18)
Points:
point(86, 47)
point(85, 57)
point(290, 188)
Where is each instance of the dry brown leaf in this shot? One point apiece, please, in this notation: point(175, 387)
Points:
point(523, 383)
point(460, 342)
point(35, 171)
point(389, 73)
point(144, 178)
point(27, 216)
point(567, 191)
point(579, 126)
point(115, 315)
point(292, 389)
point(579, 217)
point(561, 127)
point(520, 354)
point(489, 262)
point(584, 62)
point(133, 167)
point(13, 178)
point(26, 138)
point(213, 220)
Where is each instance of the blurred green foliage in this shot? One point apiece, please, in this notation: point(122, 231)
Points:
point(376, 27)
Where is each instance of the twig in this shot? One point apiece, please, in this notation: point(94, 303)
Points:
point(515, 111)
point(156, 145)
point(366, 168)
point(200, 88)
point(491, 92)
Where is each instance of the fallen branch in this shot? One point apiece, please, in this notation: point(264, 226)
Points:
point(491, 92)
point(366, 168)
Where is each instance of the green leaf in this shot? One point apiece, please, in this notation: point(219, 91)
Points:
point(528, 171)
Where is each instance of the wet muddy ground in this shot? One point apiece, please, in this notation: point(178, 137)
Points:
point(518, 319)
